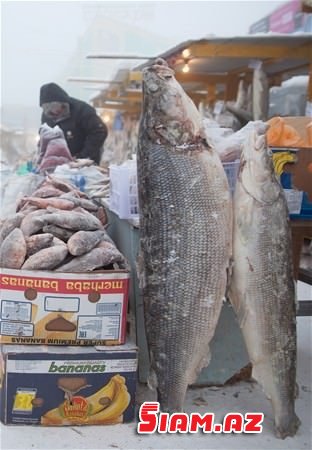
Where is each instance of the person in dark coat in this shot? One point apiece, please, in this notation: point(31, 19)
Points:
point(83, 129)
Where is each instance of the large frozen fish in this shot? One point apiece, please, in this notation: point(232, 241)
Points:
point(185, 227)
point(262, 288)
point(73, 220)
point(46, 190)
point(37, 242)
point(89, 205)
point(101, 256)
point(55, 202)
point(13, 250)
point(63, 186)
point(9, 224)
point(46, 259)
point(32, 222)
point(58, 232)
point(260, 94)
point(84, 241)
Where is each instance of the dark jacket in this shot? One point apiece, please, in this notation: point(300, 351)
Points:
point(84, 130)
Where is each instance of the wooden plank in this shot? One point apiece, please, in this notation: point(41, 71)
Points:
point(204, 78)
point(248, 50)
point(121, 107)
point(135, 76)
point(231, 88)
point(190, 77)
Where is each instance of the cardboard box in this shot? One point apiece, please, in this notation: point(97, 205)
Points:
point(303, 126)
point(63, 309)
point(49, 385)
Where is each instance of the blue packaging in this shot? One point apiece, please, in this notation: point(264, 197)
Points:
point(57, 386)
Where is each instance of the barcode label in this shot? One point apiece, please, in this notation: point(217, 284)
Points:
point(19, 311)
point(103, 309)
point(99, 327)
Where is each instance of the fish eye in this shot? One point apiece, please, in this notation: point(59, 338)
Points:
point(153, 87)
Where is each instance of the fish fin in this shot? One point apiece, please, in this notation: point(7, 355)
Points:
point(287, 426)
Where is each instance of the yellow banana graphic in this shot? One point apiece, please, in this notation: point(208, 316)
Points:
point(107, 391)
point(115, 391)
point(280, 159)
point(112, 413)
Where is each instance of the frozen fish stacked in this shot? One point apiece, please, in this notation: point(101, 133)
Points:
point(57, 228)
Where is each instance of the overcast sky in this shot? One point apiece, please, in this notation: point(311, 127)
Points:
point(38, 37)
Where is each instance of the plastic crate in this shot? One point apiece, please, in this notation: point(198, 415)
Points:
point(124, 190)
point(299, 205)
point(231, 170)
point(298, 202)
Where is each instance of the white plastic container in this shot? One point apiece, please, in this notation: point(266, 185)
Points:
point(124, 190)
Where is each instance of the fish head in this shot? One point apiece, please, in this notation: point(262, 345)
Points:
point(256, 171)
point(170, 116)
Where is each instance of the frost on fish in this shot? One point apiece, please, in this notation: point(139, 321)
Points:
point(37, 242)
point(185, 228)
point(262, 286)
point(73, 220)
point(13, 250)
point(84, 241)
point(46, 259)
point(32, 222)
point(101, 256)
point(9, 224)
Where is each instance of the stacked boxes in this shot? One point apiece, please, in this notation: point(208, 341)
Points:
point(82, 372)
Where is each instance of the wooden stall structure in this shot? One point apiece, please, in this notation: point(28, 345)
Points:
point(211, 68)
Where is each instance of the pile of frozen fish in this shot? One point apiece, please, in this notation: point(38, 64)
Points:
point(57, 228)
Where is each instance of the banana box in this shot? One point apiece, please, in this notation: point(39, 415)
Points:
point(58, 386)
point(56, 308)
point(294, 170)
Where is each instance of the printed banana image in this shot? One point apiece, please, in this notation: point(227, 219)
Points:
point(41, 324)
point(280, 159)
point(112, 413)
point(104, 406)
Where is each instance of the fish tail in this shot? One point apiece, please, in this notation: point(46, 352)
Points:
point(286, 424)
point(171, 403)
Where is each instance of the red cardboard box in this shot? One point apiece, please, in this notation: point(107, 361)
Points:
point(63, 309)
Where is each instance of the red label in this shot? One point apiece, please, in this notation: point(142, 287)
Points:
point(63, 286)
point(78, 408)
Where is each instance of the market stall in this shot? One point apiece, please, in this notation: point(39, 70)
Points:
point(211, 71)
point(212, 68)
